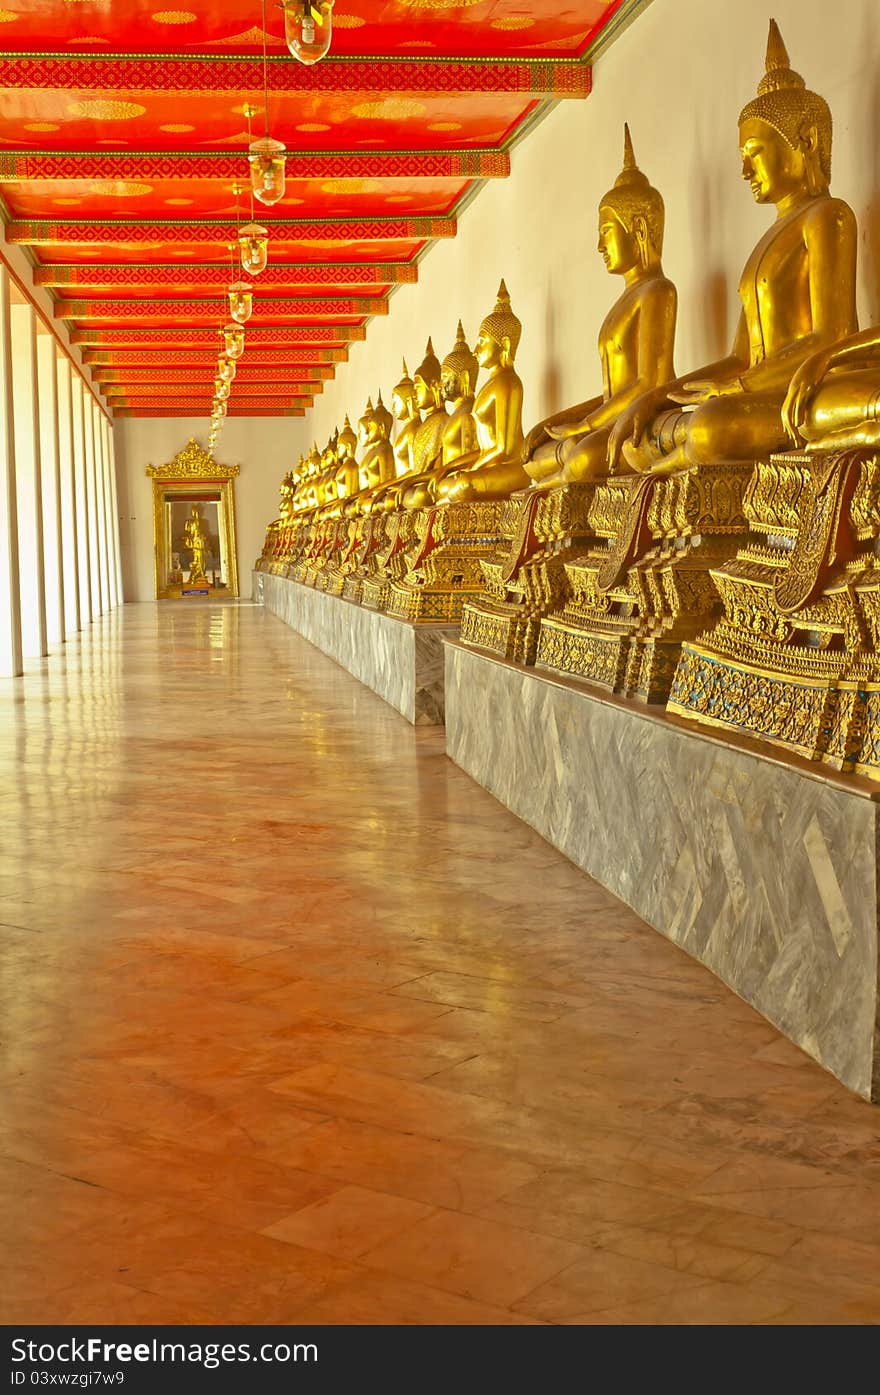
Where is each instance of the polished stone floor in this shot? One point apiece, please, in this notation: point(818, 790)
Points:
point(298, 1024)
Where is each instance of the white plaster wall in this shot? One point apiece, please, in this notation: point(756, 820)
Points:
point(680, 75)
point(262, 446)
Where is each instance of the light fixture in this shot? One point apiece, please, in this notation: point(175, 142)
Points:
point(266, 156)
point(241, 301)
point(218, 410)
point(254, 243)
point(225, 369)
point(221, 389)
point(233, 341)
point(308, 28)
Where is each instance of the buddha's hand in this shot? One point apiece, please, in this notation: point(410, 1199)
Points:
point(801, 391)
point(699, 389)
point(567, 429)
point(535, 438)
point(630, 427)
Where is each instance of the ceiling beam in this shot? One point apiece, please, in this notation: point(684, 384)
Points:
point(134, 232)
point(128, 275)
point(317, 307)
point(227, 165)
point(199, 405)
point(413, 77)
point(129, 412)
point(128, 360)
point(142, 391)
point(247, 373)
point(180, 336)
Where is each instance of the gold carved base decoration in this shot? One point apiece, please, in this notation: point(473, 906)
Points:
point(444, 564)
point(645, 585)
point(795, 657)
point(525, 579)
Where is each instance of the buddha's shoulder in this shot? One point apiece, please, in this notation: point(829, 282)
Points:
point(828, 212)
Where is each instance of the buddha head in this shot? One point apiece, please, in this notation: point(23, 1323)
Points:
point(403, 398)
point(427, 380)
point(328, 455)
point(314, 461)
point(347, 443)
point(499, 335)
point(460, 369)
point(383, 419)
point(785, 132)
point(367, 426)
point(631, 218)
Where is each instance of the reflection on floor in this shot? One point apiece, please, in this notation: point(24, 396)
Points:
point(300, 1025)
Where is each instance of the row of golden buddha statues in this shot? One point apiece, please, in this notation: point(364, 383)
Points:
point(663, 540)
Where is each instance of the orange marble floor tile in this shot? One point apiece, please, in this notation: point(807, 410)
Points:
point(298, 1024)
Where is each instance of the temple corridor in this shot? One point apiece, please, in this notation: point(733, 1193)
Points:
point(298, 1024)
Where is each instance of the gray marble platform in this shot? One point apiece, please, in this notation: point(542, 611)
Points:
point(763, 868)
point(400, 661)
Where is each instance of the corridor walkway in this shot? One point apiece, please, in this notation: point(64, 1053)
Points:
point(298, 1024)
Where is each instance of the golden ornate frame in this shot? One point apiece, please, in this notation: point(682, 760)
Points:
point(190, 471)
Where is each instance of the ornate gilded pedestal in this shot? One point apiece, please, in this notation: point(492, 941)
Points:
point(443, 567)
point(525, 578)
point(794, 659)
point(645, 585)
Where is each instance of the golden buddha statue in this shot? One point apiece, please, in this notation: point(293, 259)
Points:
point(451, 536)
point(797, 293)
point(689, 449)
point(427, 439)
point(497, 470)
point(377, 461)
point(565, 455)
point(833, 401)
point(636, 341)
point(405, 406)
point(195, 538)
point(458, 375)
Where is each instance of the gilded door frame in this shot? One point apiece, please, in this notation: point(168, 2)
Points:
point(193, 469)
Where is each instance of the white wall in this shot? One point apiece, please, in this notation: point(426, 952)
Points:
point(262, 446)
point(680, 75)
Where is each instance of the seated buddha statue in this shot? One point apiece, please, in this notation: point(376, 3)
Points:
point(636, 341)
point(797, 293)
point(404, 405)
point(427, 439)
point(497, 469)
point(459, 372)
point(377, 460)
point(833, 401)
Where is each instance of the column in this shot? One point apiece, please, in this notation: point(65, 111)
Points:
point(92, 502)
point(80, 496)
point(50, 470)
point(10, 605)
point(69, 551)
point(25, 396)
point(101, 478)
point(108, 511)
point(111, 445)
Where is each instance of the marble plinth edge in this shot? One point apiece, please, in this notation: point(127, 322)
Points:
point(400, 661)
point(762, 867)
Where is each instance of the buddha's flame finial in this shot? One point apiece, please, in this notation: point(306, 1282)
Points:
point(629, 157)
point(503, 295)
point(369, 406)
point(405, 371)
point(777, 53)
point(429, 351)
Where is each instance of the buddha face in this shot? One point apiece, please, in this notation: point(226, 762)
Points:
point(453, 388)
point(402, 405)
point(427, 392)
point(489, 353)
point(617, 245)
point(773, 169)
